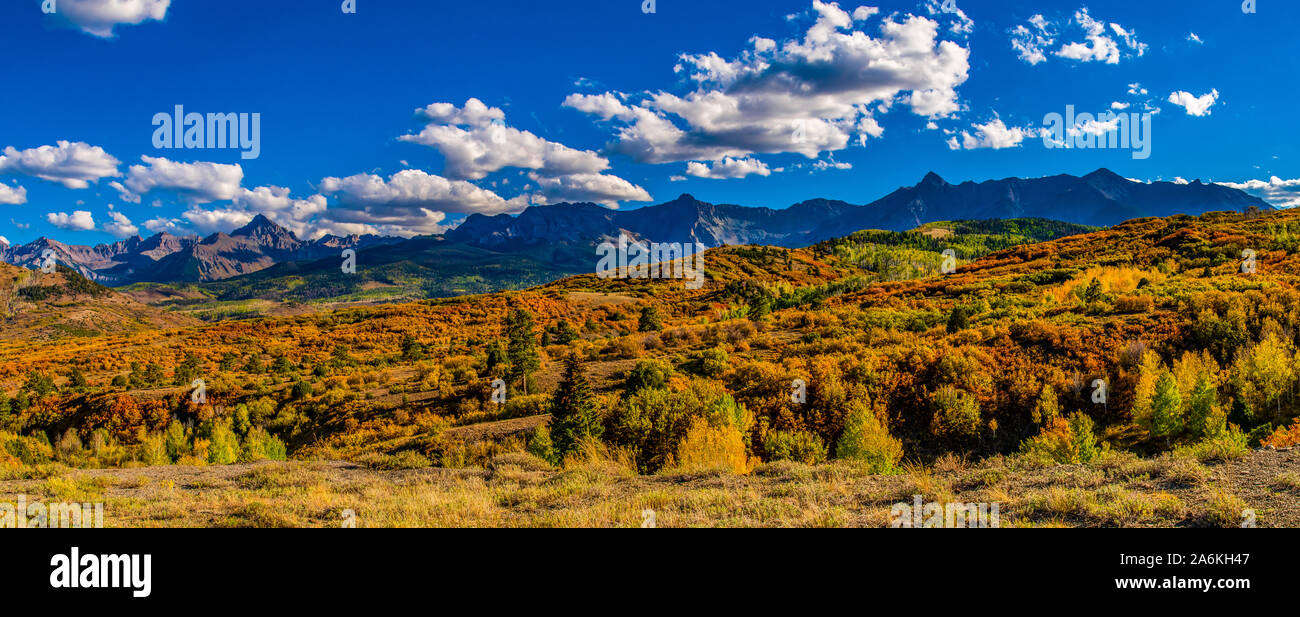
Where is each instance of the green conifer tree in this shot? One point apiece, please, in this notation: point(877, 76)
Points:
point(521, 347)
point(573, 410)
point(1166, 408)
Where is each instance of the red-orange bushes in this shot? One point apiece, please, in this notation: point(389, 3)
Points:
point(125, 417)
point(1284, 437)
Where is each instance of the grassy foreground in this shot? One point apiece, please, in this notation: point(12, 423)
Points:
point(518, 490)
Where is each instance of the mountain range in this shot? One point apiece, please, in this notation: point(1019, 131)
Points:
point(167, 258)
point(550, 241)
point(1101, 199)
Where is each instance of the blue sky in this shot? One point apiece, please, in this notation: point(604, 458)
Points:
point(405, 116)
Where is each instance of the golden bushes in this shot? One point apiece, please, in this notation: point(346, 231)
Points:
point(708, 446)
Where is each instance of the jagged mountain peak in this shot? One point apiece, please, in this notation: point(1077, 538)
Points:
point(262, 227)
point(933, 179)
point(1106, 174)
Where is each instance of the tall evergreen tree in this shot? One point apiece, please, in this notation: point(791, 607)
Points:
point(1048, 406)
point(573, 410)
point(649, 321)
point(521, 347)
point(76, 379)
point(496, 357)
point(38, 384)
point(1166, 408)
point(958, 319)
point(565, 333)
point(412, 349)
point(1093, 292)
point(1200, 408)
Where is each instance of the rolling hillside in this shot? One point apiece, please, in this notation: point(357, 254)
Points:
point(35, 306)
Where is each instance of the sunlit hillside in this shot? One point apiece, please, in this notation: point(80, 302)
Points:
point(1160, 344)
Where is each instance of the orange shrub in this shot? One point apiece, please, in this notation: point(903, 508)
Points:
point(1284, 437)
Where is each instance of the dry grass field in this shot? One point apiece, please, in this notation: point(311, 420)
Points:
point(518, 490)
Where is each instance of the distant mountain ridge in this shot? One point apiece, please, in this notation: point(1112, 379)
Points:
point(166, 258)
point(560, 237)
point(684, 219)
point(1102, 198)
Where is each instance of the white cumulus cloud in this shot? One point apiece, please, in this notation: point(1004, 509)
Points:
point(166, 225)
point(410, 202)
point(1100, 44)
point(219, 219)
point(79, 220)
point(1275, 190)
point(994, 134)
point(99, 17)
point(596, 188)
point(806, 95)
point(475, 141)
point(12, 195)
point(1087, 40)
point(413, 188)
point(1195, 105)
point(120, 226)
point(728, 168)
point(199, 183)
point(1031, 42)
point(73, 164)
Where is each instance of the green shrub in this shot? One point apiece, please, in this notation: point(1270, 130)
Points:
point(648, 374)
point(176, 440)
point(651, 423)
point(527, 405)
point(1259, 434)
point(539, 444)
point(708, 363)
point(1228, 445)
point(866, 439)
point(260, 445)
point(956, 414)
point(224, 447)
point(153, 451)
point(301, 390)
point(1065, 441)
point(28, 450)
point(799, 446)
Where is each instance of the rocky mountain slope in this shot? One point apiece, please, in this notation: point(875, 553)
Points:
point(168, 258)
